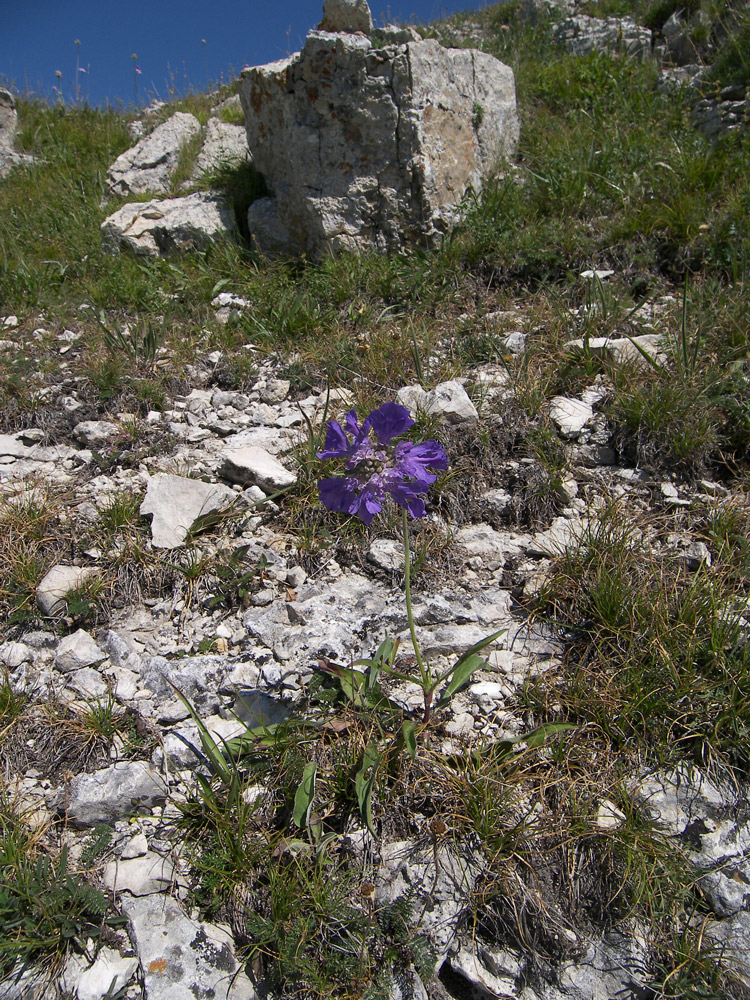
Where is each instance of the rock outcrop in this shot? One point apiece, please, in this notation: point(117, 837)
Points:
point(372, 147)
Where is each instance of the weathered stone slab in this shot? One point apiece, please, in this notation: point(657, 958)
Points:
point(180, 957)
point(176, 503)
point(114, 793)
point(160, 227)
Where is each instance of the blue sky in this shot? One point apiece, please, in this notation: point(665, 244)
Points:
point(179, 44)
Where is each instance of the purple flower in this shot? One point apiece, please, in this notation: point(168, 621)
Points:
point(376, 467)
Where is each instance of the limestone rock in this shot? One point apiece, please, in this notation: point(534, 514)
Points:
point(76, 651)
point(386, 553)
point(55, 586)
point(582, 35)
point(441, 895)
point(180, 957)
point(113, 793)
point(109, 974)
point(570, 415)
point(8, 126)
point(257, 467)
point(140, 876)
point(94, 432)
point(448, 402)
point(370, 148)
point(160, 227)
point(8, 121)
point(148, 165)
point(346, 15)
point(176, 503)
point(223, 145)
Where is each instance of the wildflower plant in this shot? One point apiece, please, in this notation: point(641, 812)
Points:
point(379, 465)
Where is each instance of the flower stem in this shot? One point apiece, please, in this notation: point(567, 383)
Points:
point(424, 673)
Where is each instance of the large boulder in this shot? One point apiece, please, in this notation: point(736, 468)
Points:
point(159, 227)
point(366, 147)
point(148, 166)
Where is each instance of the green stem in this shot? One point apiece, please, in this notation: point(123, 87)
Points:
point(424, 673)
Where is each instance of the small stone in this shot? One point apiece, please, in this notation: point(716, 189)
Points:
point(13, 654)
point(136, 847)
point(88, 683)
point(114, 793)
point(450, 404)
point(55, 586)
point(386, 553)
point(107, 976)
point(608, 816)
point(257, 466)
point(176, 503)
point(570, 415)
point(76, 651)
point(181, 957)
point(275, 391)
point(140, 876)
point(94, 432)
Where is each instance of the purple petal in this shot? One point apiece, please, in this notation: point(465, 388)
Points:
point(415, 459)
point(350, 421)
point(367, 506)
point(338, 494)
point(405, 496)
point(389, 420)
point(336, 443)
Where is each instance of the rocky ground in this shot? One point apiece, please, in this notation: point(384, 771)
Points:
point(250, 659)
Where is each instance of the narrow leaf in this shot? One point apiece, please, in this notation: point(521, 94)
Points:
point(409, 733)
point(303, 797)
point(461, 673)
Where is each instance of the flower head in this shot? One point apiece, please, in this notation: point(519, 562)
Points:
point(376, 467)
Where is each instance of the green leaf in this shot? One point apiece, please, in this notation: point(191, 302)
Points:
point(409, 733)
point(363, 783)
point(462, 671)
point(304, 795)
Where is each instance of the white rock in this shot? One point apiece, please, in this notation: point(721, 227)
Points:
point(257, 466)
point(55, 586)
point(13, 654)
point(140, 876)
point(176, 503)
point(77, 650)
point(399, 141)
point(181, 957)
point(386, 553)
point(160, 227)
point(88, 683)
point(94, 432)
point(347, 16)
point(148, 165)
point(570, 415)
point(136, 847)
point(114, 793)
point(450, 403)
point(224, 145)
point(109, 974)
